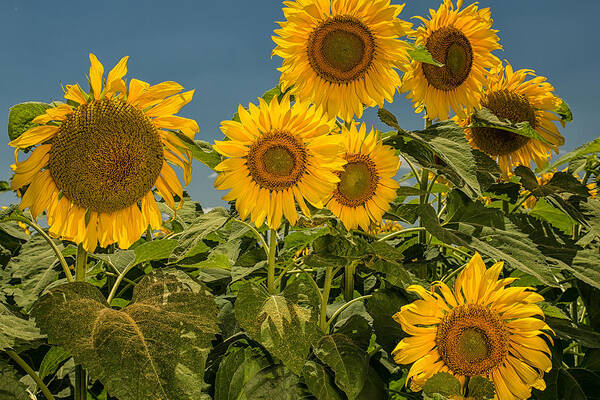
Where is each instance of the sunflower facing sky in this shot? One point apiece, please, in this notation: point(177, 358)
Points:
point(509, 95)
point(340, 54)
point(367, 184)
point(279, 154)
point(97, 158)
point(463, 41)
point(482, 328)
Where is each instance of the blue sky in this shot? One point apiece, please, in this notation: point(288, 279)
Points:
point(222, 49)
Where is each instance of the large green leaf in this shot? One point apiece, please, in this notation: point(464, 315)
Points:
point(348, 362)
point(200, 228)
point(588, 148)
point(274, 382)
point(21, 115)
point(586, 266)
point(11, 388)
point(35, 267)
point(319, 382)
point(52, 360)
point(235, 370)
point(421, 54)
point(284, 324)
point(382, 306)
point(484, 117)
point(162, 338)
point(17, 333)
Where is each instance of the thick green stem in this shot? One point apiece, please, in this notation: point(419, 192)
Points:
point(149, 233)
point(31, 372)
point(261, 240)
point(325, 298)
point(80, 373)
point(400, 232)
point(348, 304)
point(423, 199)
point(521, 202)
point(59, 255)
point(349, 271)
point(271, 262)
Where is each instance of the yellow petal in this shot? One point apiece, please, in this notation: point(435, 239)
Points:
point(114, 76)
point(33, 136)
point(96, 71)
point(172, 105)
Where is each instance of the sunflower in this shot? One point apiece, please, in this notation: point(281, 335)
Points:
point(482, 329)
point(366, 185)
point(509, 95)
point(342, 54)
point(97, 158)
point(279, 154)
point(461, 40)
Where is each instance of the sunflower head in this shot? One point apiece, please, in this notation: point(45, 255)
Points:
point(481, 328)
point(342, 55)
point(278, 154)
point(461, 40)
point(366, 185)
point(97, 158)
point(510, 95)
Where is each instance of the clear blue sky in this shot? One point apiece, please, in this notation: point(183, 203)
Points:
point(222, 49)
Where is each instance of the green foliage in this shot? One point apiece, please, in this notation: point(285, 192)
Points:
point(53, 360)
point(17, 333)
point(162, 337)
point(421, 54)
point(388, 118)
point(20, 117)
point(319, 382)
point(484, 117)
point(281, 323)
point(11, 388)
point(481, 388)
point(443, 384)
point(200, 150)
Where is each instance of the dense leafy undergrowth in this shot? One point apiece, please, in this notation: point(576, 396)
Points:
point(186, 313)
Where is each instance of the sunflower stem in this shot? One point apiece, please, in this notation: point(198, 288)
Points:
point(325, 298)
point(59, 255)
point(424, 183)
point(400, 232)
point(260, 238)
point(349, 271)
point(271, 261)
point(80, 373)
point(12, 354)
point(149, 233)
point(346, 305)
point(521, 202)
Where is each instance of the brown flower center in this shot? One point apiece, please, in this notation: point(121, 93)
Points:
point(512, 106)
point(106, 155)
point(450, 47)
point(472, 340)
point(277, 161)
point(341, 49)
point(358, 181)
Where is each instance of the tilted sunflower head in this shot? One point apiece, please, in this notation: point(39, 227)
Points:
point(510, 95)
point(482, 328)
point(342, 54)
point(97, 158)
point(366, 185)
point(461, 40)
point(279, 154)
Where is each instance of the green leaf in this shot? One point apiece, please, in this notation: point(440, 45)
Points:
point(17, 333)
point(11, 388)
point(303, 237)
point(421, 54)
point(586, 266)
point(4, 186)
point(481, 388)
point(564, 111)
point(484, 117)
point(274, 382)
point(120, 259)
point(34, 268)
point(319, 382)
point(52, 360)
point(348, 362)
point(284, 327)
point(235, 370)
point(375, 388)
point(583, 150)
point(442, 383)
point(162, 338)
point(382, 306)
point(155, 250)
point(565, 329)
point(21, 115)
point(200, 228)
point(201, 150)
point(388, 118)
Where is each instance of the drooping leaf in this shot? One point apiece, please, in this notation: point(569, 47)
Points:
point(201, 150)
point(481, 388)
point(11, 388)
point(382, 306)
point(348, 362)
point(564, 112)
point(52, 360)
point(583, 150)
point(35, 267)
point(566, 329)
point(484, 117)
point(586, 266)
point(17, 333)
point(284, 327)
point(319, 382)
point(235, 370)
point(559, 219)
point(162, 338)
point(421, 54)
point(20, 117)
point(199, 229)
point(388, 118)
point(154, 250)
